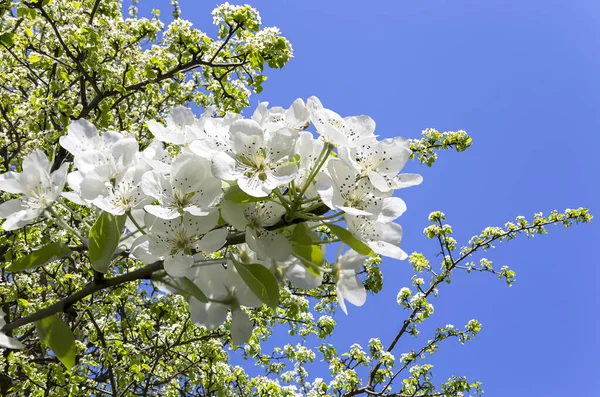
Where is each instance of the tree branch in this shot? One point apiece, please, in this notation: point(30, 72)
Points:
point(90, 288)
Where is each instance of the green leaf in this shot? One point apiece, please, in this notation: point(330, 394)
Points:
point(33, 58)
point(104, 239)
point(351, 241)
point(57, 335)
point(235, 194)
point(40, 257)
point(190, 287)
point(182, 285)
point(7, 39)
point(304, 245)
point(261, 282)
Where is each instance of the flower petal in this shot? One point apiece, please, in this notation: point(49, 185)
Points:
point(81, 136)
point(10, 182)
point(241, 327)
point(210, 315)
point(392, 208)
point(213, 240)
point(177, 265)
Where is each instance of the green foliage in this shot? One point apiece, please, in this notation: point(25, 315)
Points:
point(306, 245)
point(261, 281)
point(57, 335)
point(63, 60)
point(104, 239)
point(351, 241)
point(40, 257)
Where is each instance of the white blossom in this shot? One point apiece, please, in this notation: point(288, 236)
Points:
point(190, 187)
point(383, 238)
point(38, 186)
point(259, 162)
point(381, 162)
point(177, 240)
point(226, 290)
point(254, 219)
point(347, 285)
point(277, 118)
point(182, 127)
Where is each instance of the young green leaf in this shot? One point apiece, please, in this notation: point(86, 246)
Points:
point(303, 240)
point(191, 288)
point(351, 241)
point(40, 257)
point(7, 39)
point(59, 338)
point(104, 239)
point(261, 282)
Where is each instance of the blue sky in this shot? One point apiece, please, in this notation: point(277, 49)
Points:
point(522, 78)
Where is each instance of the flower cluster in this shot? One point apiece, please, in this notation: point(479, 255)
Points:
point(215, 197)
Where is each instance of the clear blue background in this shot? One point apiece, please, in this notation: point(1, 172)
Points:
point(522, 78)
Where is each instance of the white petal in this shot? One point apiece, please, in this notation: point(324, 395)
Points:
point(225, 167)
point(89, 160)
point(392, 208)
point(140, 249)
point(11, 207)
point(106, 205)
point(390, 232)
point(197, 211)
point(162, 212)
point(270, 213)
point(272, 244)
point(378, 181)
point(35, 162)
point(260, 112)
point(181, 116)
point(154, 184)
point(157, 157)
point(124, 153)
point(352, 290)
point(233, 213)
point(241, 327)
point(386, 249)
point(10, 182)
point(200, 224)
point(254, 187)
point(297, 115)
point(213, 240)
point(108, 139)
point(81, 136)
point(340, 297)
point(177, 265)
point(298, 275)
point(352, 260)
point(394, 153)
point(282, 175)
point(406, 180)
point(91, 188)
point(210, 315)
point(164, 134)
point(59, 177)
point(246, 127)
point(326, 189)
point(11, 343)
point(74, 198)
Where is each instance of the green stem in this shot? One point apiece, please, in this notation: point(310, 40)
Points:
point(139, 228)
point(50, 211)
point(286, 202)
point(74, 214)
point(327, 148)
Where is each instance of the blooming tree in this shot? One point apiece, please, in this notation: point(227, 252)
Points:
point(140, 238)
